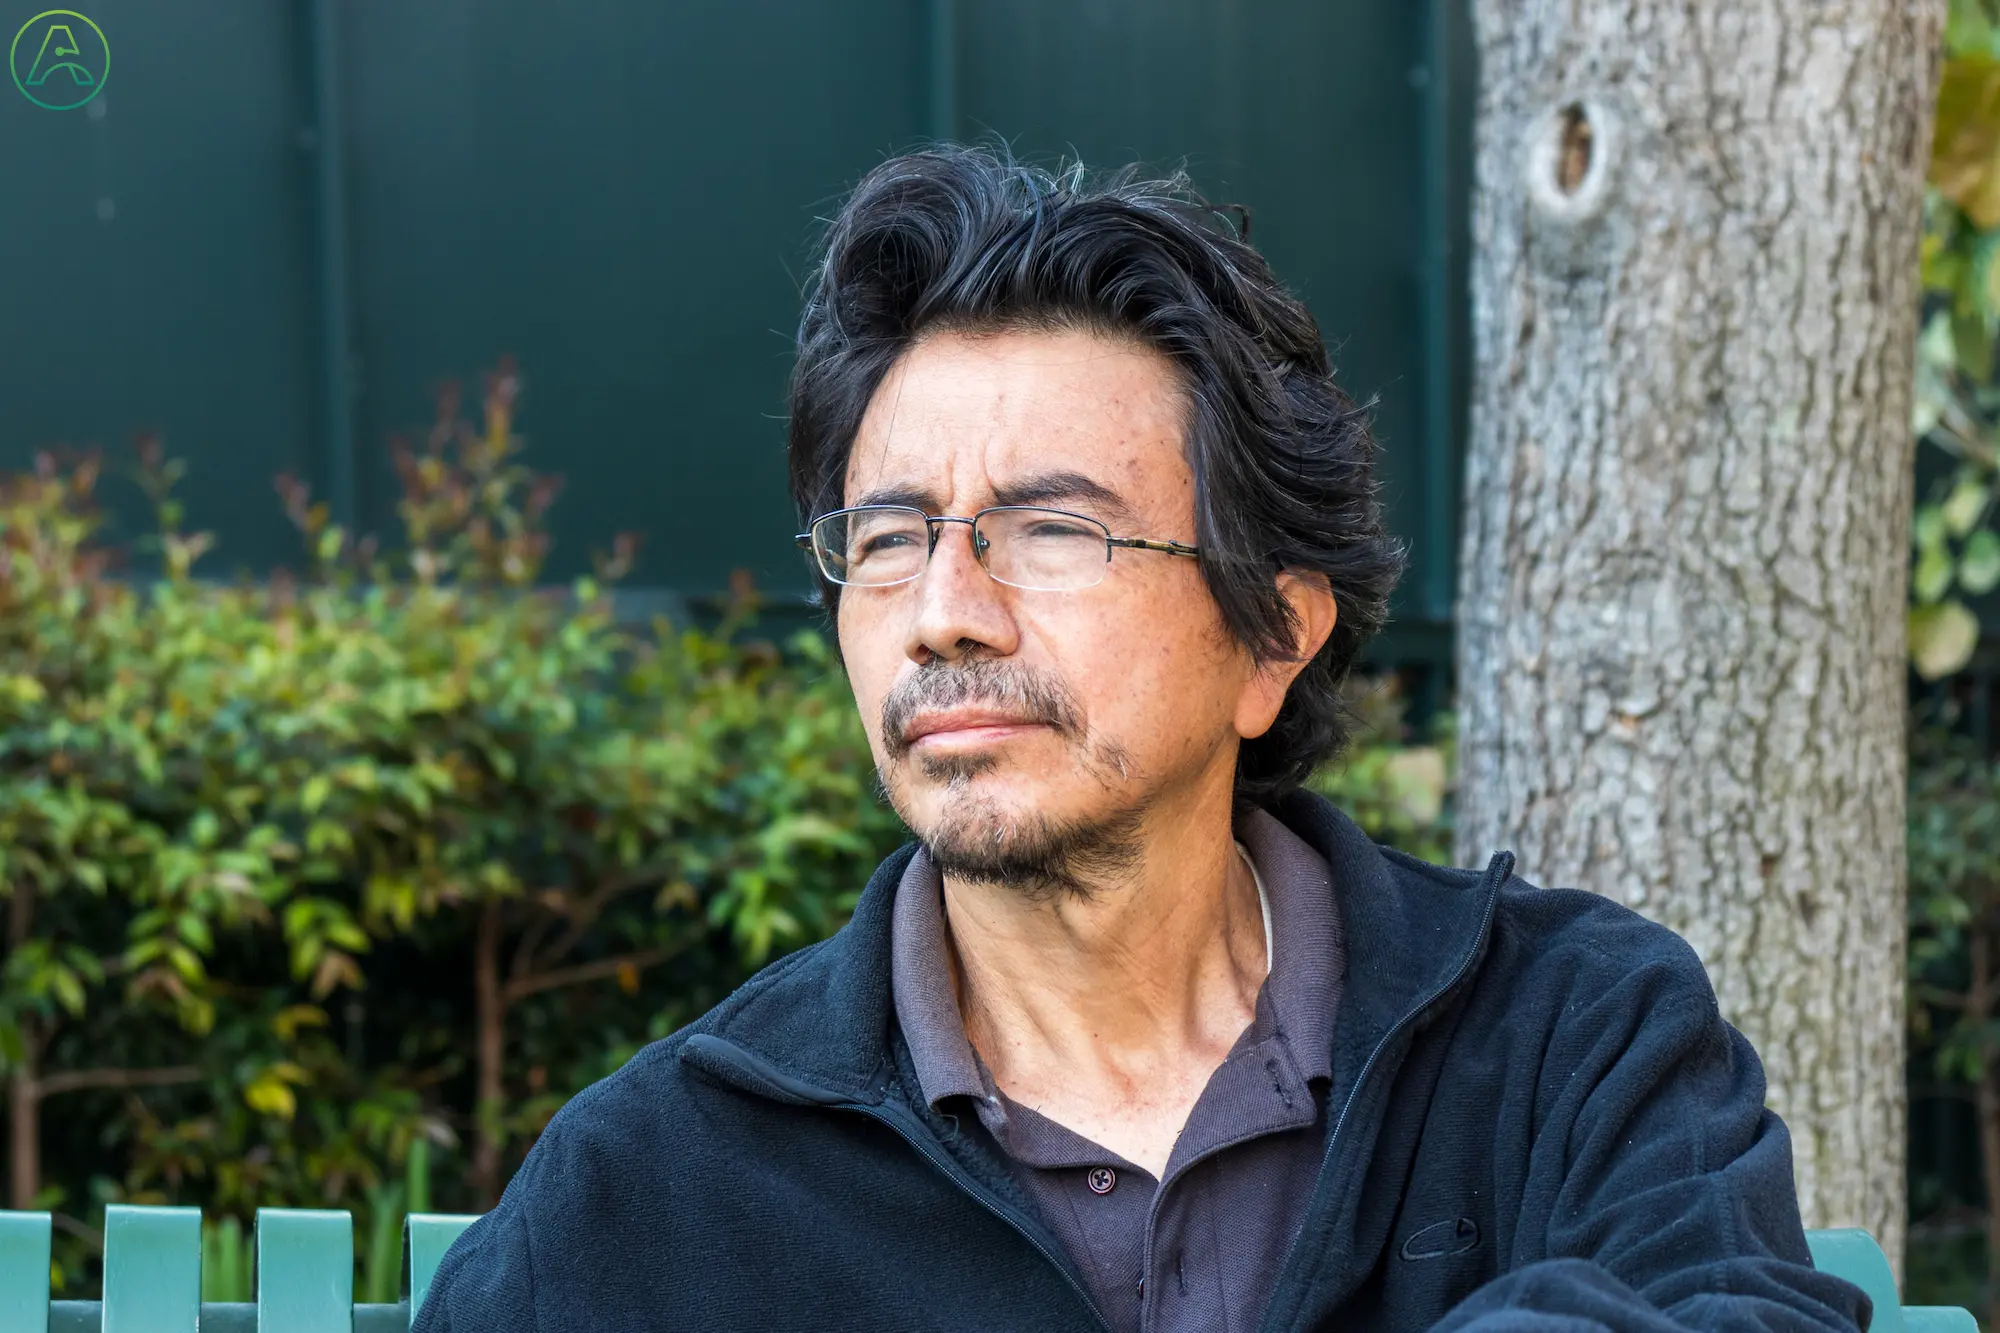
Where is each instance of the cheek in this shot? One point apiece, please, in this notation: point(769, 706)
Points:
point(1155, 677)
point(869, 661)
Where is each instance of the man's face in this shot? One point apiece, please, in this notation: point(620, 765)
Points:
point(1031, 736)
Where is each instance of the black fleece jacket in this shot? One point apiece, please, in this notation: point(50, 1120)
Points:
point(1539, 1121)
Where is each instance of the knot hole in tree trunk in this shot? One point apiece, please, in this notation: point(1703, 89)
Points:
point(1573, 156)
point(1572, 159)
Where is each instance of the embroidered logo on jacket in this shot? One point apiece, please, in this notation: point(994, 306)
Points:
point(1442, 1238)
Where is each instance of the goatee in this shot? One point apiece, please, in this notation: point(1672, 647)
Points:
point(1034, 855)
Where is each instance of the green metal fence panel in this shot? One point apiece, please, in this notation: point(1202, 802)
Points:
point(624, 195)
point(157, 273)
point(152, 1269)
point(305, 1270)
point(431, 1234)
point(661, 167)
point(24, 1272)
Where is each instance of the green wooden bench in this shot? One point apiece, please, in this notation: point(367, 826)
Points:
point(305, 1277)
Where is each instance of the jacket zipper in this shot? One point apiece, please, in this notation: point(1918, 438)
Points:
point(973, 1191)
point(1368, 1065)
point(1422, 1006)
point(915, 1137)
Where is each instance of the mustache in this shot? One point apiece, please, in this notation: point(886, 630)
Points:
point(1036, 695)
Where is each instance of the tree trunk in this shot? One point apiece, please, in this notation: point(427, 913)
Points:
point(490, 1018)
point(1684, 573)
point(24, 1137)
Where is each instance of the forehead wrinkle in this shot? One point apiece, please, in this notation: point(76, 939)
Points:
point(1045, 487)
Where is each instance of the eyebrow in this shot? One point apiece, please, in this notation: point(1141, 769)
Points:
point(1041, 488)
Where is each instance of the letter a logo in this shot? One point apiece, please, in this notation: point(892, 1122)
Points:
point(59, 59)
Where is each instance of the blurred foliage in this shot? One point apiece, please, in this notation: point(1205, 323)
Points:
point(262, 843)
point(328, 890)
point(1954, 914)
point(1954, 790)
point(1394, 781)
point(1957, 555)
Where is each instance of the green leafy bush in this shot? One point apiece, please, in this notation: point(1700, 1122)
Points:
point(308, 876)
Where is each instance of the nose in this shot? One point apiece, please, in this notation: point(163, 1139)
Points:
point(958, 608)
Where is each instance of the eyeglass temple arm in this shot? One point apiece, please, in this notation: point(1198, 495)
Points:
point(1142, 544)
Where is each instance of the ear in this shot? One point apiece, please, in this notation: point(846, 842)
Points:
point(1313, 613)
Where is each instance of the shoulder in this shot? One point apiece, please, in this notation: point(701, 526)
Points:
point(1571, 945)
point(634, 1153)
point(643, 1107)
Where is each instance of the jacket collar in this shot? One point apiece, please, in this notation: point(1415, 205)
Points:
point(818, 1022)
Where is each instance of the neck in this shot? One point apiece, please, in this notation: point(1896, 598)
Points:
point(1139, 983)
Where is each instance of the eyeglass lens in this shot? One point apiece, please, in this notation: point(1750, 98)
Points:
point(1025, 547)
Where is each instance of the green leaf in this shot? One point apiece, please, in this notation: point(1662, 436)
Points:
point(1972, 339)
point(1935, 347)
point(1942, 268)
point(1966, 503)
point(1968, 29)
point(1979, 562)
point(1931, 579)
point(194, 930)
point(1965, 146)
point(68, 990)
point(1942, 638)
point(318, 787)
point(1927, 529)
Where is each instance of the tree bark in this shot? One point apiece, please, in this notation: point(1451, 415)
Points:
point(1684, 572)
point(24, 1138)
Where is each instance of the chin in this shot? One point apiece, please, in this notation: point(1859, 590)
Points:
point(976, 828)
point(970, 804)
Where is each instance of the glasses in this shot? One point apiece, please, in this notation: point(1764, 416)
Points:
point(1022, 546)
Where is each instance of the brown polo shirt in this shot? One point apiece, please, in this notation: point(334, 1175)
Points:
point(1199, 1248)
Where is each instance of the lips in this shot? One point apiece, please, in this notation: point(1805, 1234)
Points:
point(971, 704)
point(965, 722)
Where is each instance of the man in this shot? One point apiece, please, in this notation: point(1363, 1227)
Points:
point(1138, 1034)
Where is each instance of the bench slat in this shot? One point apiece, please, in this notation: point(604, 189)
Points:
point(152, 1269)
point(24, 1272)
point(430, 1235)
point(305, 1270)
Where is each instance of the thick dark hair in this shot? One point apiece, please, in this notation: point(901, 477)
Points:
point(969, 239)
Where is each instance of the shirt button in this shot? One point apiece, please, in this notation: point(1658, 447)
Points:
point(1102, 1180)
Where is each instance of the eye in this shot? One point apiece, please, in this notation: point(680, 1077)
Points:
point(1056, 527)
point(885, 541)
